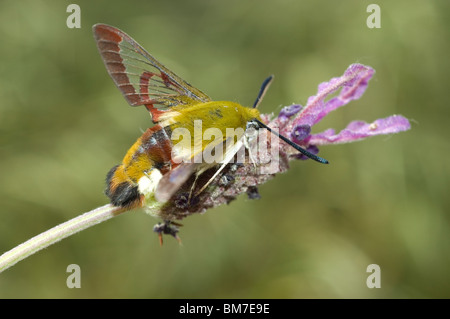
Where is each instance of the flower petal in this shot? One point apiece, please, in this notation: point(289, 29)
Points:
point(353, 83)
point(300, 132)
point(288, 111)
point(358, 130)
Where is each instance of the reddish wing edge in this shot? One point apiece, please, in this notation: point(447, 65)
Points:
point(139, 76)
point(144, 81)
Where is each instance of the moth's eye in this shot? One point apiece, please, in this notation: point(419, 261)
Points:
point(252, 125)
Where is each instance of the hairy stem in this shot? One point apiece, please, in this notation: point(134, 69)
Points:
point(57, 233)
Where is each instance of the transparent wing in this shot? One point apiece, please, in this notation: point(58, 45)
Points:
point(139, 76)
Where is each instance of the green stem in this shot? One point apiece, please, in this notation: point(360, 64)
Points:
point(57, 233)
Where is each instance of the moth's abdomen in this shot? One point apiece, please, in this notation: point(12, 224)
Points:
point(130, 183)
point(121, 191)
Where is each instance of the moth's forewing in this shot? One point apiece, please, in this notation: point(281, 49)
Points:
point(139, 76)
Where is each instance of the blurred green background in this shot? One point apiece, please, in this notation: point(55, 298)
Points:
point(315, 230)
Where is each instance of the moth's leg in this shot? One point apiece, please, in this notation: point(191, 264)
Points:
point(197, 174)
point(250, 153)
point(228, 157)
point(210, 180)
point(168, 228)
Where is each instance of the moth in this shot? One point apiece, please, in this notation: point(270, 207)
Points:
point(156, 166)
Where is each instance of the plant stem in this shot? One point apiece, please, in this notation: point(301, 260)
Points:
point(57, 233)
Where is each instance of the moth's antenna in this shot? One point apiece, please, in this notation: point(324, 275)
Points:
point(263, 90)
point(298, 148)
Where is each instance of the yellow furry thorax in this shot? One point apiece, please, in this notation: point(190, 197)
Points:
point(214, 114)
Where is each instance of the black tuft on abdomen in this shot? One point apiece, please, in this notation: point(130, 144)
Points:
point(124, 195)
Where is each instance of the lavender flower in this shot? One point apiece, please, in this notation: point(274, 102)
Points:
point(353, 84)
point(295, 122)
